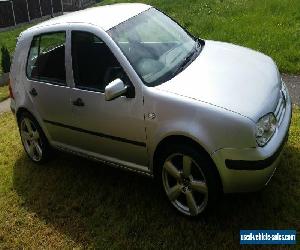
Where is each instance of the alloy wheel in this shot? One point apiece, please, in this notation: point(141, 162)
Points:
point(31, 139)
point(185, 184)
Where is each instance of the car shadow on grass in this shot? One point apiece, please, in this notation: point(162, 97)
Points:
point(99, 206)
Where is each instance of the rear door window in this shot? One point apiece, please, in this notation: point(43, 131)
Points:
point(46, 58)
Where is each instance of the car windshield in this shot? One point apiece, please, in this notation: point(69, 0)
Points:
point(156, 46)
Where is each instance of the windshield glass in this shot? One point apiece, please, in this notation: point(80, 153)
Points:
point(156, 46)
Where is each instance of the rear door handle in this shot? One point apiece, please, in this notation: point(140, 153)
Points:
point(78, 102)
point(33, 92)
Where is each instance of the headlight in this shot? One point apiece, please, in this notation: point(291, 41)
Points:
point(265, 128)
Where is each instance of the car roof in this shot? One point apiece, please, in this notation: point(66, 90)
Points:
point(106, 16)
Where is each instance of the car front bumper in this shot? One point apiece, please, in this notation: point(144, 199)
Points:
point(250, 169)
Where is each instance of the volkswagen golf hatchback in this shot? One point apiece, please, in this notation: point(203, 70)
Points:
point(126, 85)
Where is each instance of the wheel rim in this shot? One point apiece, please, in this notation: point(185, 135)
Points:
point(31, 139)
point(185, 184)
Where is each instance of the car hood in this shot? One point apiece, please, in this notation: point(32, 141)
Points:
point(232, 77)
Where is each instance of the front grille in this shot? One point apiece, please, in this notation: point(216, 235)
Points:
point(280, 108)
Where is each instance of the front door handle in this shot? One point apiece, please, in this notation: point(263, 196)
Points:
point(78, 102)
point(33, 92)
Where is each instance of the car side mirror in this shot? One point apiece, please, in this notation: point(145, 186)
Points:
point(115, 89)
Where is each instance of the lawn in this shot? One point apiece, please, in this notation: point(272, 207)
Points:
point(74, 203)
point(4, 93)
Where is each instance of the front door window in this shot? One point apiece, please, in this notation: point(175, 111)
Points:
point(94, 65)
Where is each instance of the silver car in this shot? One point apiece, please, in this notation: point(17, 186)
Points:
point(126, 85)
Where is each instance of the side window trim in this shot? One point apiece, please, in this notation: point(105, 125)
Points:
point(28, 54)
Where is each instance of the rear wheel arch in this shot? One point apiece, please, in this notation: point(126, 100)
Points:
point(23, 110)
point(33, 138)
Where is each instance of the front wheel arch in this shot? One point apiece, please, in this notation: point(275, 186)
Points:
point(178, 139)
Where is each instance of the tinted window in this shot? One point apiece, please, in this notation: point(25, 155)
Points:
point(46, 60)
point(94, 65)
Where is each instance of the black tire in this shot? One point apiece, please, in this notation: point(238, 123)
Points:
point(46, 150)
point(199, 160)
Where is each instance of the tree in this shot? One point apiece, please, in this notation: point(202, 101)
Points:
point(5, 59)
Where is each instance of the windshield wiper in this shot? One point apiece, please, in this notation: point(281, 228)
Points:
point(188, 58)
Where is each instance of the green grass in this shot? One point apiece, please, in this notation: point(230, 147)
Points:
point(74, 203)
point(4, 93)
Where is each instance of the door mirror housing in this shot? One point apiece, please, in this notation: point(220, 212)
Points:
point(115, 89)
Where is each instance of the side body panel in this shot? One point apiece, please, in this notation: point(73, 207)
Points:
point(210, 126)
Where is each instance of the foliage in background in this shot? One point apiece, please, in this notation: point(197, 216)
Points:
point(9, 39)
point(5, 60)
